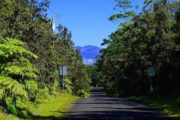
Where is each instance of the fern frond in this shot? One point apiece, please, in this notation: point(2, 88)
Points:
point(12, 47)
point(13, 42)
point(1, 93)
point(12, 85)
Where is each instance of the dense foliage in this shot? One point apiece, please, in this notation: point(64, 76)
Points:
point(149, 38)
point(24, 77)
point(16, 69)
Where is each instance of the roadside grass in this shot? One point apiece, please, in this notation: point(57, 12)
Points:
point(51, 108)
point(5, 116)
point(54, 106)
point(169, 106)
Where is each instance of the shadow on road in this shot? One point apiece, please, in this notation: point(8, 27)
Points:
point(101, 107)
point(116, 115)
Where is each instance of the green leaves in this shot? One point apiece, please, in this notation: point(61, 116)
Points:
point(32, 88)
point(15, 60)
point(126, 11)
point(12, 85)
point(10, 47)
point(128, 14)
point(143, 40)
point(116, 16)
point(23, 71)
point(27, 20)
point(147, 3)
point(15, 66)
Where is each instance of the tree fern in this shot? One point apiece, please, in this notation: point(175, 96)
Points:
point(12, 85)
point(1, 93)
point(15, 66)
point(15, 60)
point(10, 47)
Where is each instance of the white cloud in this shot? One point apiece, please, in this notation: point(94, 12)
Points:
point(89, 61)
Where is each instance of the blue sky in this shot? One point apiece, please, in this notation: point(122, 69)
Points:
point(86, 19)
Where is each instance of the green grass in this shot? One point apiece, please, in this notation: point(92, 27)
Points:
point(169, 106)
point(51, 108)
point(54, 107)
point(5, 116)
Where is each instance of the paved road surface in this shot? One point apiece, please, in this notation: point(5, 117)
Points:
point(100, 107)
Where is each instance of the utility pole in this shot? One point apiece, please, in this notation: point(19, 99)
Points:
point(53, 27)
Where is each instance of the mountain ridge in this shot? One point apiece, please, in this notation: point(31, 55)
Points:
point(89, 53)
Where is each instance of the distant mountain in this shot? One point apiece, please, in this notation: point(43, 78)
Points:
point(88, 53)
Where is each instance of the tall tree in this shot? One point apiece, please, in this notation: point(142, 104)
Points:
point(146, 39)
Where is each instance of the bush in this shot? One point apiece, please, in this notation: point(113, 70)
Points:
point(67, 85)
point(55, 88)
point(32, 88)
point(23, 114)
point(82, 81)
point(83, 93)
point(1, 93)
point(42, 94)
point(16, 69)
point(21, 103)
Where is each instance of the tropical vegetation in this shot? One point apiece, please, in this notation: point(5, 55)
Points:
point(142, 55)
point(31, 54)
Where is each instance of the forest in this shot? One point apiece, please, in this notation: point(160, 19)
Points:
point(30, 57)
point(148, 39)
point(142, 57)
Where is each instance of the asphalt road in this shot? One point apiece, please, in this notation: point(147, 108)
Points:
point(100, 107)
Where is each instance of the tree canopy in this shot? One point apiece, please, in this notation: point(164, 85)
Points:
point(146, 39)
point(31, 54)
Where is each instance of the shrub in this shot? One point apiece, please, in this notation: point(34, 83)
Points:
point(15, 70)
point(83, 93)
point(1, 93)
point(15, 66)
point(82, 81)
point(55, 88)
point(32, 88)
point(42, 94)
point(13, 86)
point(67, 85)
